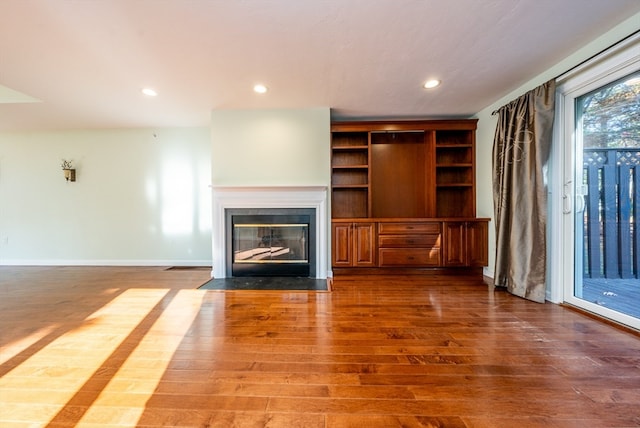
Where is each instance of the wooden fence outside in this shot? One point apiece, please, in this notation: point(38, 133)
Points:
point(612, 180)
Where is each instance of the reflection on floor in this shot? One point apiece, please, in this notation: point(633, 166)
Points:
point(266, 283)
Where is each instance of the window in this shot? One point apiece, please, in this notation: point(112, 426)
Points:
point(610, 115)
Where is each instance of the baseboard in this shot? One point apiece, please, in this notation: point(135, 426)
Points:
point(488, 272)
point(54, 262)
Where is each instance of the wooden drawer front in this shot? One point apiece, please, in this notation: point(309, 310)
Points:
point(408, 228)
point(408, 257)
point(427, 241)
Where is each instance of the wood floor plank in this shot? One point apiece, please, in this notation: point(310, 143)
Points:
point(141, 346)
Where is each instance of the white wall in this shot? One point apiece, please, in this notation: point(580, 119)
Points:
point(487, 122)
point(141, 197)
point(275, 147)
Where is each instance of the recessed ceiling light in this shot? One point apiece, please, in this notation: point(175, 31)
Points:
point(259, 88)
point(429, 84)
point(149, 92)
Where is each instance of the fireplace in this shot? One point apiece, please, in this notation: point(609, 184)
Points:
point(270, 241)
point(309, 201)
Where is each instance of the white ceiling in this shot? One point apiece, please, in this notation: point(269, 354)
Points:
point(84, 62)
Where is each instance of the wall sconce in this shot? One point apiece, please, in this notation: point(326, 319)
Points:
point(68, 170)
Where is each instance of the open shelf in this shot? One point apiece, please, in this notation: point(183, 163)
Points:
point(344, 140)
point(454, 155)
point(350, 158)
point(454, 175)
point(349, 202)
point(458, 138)
point(455, 201)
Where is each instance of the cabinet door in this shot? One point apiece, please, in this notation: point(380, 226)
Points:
point(342, 240)
point(353, 244)
point(477, 243)
point(455, 251)
point(364, 245)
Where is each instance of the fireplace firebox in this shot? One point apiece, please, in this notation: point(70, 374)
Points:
point(271, 242)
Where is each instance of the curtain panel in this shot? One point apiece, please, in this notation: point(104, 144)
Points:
point(521, 148)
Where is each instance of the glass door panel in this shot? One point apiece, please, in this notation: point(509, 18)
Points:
point(607, 189)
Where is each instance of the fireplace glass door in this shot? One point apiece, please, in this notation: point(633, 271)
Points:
point(270, 248)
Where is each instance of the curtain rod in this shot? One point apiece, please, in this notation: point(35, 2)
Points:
point(598, 54)
point(581, 63)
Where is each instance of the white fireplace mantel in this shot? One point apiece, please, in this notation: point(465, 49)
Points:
point(226, 197)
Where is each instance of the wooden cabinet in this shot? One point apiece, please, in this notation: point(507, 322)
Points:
point(353, 244)
point(403, 195)
point(409, 244)
point(465, 243)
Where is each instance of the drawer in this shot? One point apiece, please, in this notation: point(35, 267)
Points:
point(427, 241)
point(408, 228)
point(408, 257)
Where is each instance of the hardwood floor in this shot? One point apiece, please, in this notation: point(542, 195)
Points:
point(98, 347)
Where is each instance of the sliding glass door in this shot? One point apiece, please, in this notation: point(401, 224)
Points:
point(600, 116)
point(608, 191)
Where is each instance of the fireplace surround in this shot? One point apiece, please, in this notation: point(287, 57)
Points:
point(228, 200)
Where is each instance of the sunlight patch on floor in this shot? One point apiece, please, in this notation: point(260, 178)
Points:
point(40, 387)
point(126, 407)
point(15, 348)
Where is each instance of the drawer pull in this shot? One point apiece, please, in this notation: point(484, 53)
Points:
point(410, 258)
point(410, 241)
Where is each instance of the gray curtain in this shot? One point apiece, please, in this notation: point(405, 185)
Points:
point(521, 149)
